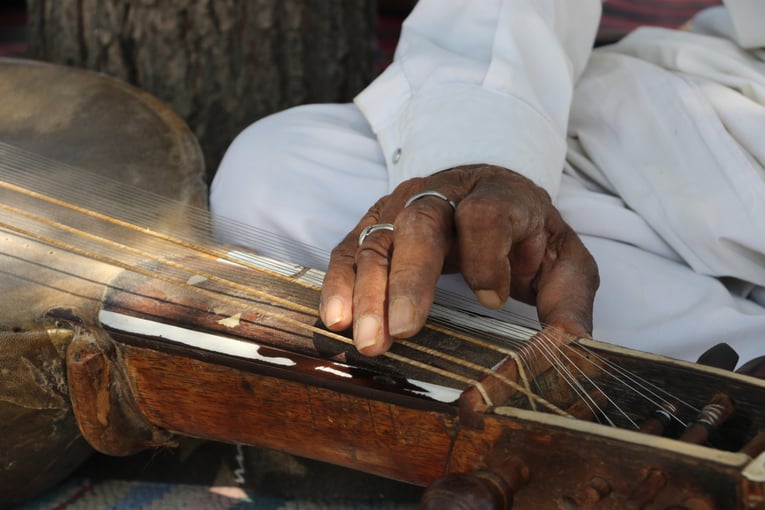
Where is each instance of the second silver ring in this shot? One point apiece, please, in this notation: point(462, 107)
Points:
point(431, 193)
point(373, 228)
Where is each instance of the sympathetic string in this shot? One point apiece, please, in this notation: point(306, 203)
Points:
point(138, 213)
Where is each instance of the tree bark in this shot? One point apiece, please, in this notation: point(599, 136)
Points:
point(219, 64)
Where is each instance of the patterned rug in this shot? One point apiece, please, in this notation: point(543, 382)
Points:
point(86, 494)
point(201, 475)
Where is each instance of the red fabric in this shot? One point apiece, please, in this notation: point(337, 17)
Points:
point(619, 18)
point(622, 16)
point(13, 18)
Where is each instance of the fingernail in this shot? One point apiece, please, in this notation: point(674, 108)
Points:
point(367, 332)
point(490, 299)
point(334, 311)
point(401, 316)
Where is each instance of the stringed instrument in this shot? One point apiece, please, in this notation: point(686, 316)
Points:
point(137, 328)
point(189, 338)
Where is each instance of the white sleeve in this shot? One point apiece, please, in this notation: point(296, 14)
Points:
point(486, 81)
point(748, 17)
point(740, 21)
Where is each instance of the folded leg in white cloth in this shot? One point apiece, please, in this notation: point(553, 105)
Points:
point(664, 182)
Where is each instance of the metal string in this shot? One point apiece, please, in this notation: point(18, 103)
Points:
point(30, 174)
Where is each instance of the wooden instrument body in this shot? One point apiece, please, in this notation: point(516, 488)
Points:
point(582, 464)
point(379, 421)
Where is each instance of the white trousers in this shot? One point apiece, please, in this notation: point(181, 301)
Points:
point(309, 174)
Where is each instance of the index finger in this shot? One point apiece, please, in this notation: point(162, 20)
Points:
point(335, 305)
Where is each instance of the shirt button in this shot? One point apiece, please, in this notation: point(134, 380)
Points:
point(397, 156)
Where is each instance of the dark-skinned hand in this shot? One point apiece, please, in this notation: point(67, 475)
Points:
point(505, 237)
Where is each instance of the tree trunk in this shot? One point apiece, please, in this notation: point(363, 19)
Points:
point(220, 64)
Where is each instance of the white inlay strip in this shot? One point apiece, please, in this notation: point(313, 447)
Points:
point(198, 339)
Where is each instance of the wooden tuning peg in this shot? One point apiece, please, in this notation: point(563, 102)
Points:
point(477, 490)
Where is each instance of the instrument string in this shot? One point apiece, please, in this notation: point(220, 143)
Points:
point(202, 249)
point(544, 346)
point(40, 188)
point(547, 348)
point(652, 393)
point(226, 298)
point(645, 390)
point(263, 295)
point(579, 386)
point(139, 210)
point(210, 294)
point(578, 383)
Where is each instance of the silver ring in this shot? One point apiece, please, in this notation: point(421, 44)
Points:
point(374, 228)
point(430, 193)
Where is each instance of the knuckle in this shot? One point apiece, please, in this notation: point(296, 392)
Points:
point(409, 187)
point(343, 252)
point(482, 211)
point(374, 251)
point(480, 203)
point(419, 219)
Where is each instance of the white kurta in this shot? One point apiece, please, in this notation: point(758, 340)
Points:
point(653, 150)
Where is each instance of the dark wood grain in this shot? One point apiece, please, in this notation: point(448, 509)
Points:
point(207, 400)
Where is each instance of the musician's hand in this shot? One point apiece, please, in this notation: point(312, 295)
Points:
point(505, 236)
